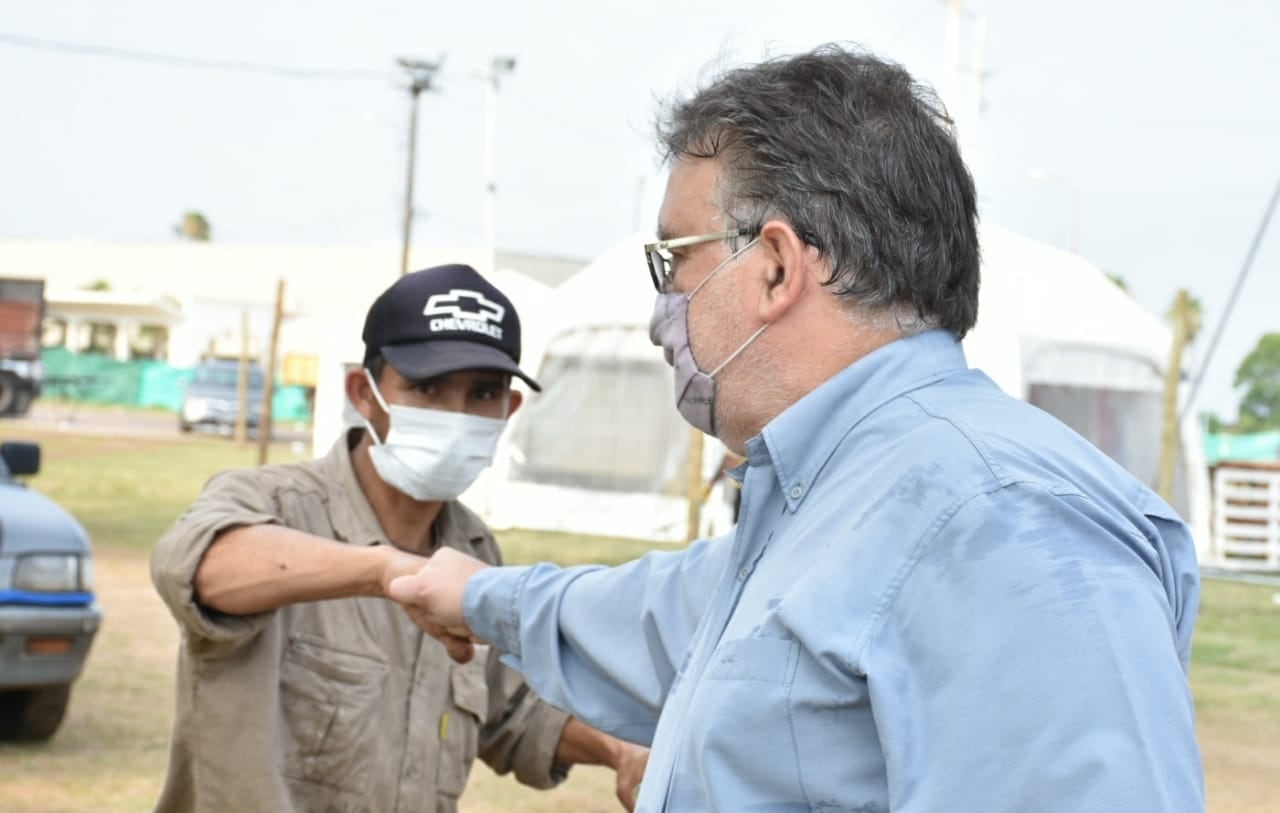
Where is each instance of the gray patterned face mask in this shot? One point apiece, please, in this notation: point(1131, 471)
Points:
point(669, 329)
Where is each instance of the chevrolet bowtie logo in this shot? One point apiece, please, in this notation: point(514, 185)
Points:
point(463, 304)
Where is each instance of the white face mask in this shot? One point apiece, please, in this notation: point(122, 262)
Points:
point(432, 454)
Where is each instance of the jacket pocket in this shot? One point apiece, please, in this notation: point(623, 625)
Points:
point(460, 728)
point(328, 703)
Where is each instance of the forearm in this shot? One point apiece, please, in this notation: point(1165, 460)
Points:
point(580, 744)
point(256, 568)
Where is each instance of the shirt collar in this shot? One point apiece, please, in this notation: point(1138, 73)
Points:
point(350, 514)
point(799, 442)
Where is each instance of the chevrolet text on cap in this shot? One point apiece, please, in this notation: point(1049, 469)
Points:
point(441, 320)
point(462, 310)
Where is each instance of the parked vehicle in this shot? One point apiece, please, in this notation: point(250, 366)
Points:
point(211, 401)
point(48, 615)
point(21, 315)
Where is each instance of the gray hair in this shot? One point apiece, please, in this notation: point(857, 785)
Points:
point(861, 160)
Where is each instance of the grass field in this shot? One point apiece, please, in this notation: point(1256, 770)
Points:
point(110, 754)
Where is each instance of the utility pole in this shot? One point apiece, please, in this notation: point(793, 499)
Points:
point(269, 377)
point(242, 382)
point(1172, 377)
point(977, 61)
point(950, 52)
point(501, 65)
point(421, 76)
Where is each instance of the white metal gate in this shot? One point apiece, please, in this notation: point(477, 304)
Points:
point(1246, 517)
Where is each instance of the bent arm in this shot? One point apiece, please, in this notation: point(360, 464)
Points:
point(580, 744)
point(256, 568)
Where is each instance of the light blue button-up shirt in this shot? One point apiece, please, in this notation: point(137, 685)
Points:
point(937, 598)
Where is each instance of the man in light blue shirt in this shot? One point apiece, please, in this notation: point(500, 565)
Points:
point(938, 598)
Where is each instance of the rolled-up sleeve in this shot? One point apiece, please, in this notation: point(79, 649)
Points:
point(229, 500)
point(602, 643)
point(522, 733)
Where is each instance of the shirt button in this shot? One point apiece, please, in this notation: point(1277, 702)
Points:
point(744, 573)
point(797, 491)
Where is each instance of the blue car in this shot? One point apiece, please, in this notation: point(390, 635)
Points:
point(48, 615)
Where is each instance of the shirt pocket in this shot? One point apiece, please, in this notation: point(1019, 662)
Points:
point(739, 720)
point(328, 702)
point(460, 725)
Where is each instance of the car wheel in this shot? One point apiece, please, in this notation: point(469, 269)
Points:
point(33, 714)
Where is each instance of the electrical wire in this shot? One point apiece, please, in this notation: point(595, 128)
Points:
point(177, 61)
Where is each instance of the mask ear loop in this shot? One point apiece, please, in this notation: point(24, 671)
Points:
point(737, 352)
point(707, 278)
point(727, 261)
point(378, 396)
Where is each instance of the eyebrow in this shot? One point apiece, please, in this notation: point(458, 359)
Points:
point(664, 231)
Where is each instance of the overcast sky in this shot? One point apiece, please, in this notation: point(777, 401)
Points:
point(1155, 123)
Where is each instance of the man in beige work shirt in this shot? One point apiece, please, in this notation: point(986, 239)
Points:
point(300, 686)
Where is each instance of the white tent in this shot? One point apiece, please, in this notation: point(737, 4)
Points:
point(603, 451)
point(1055, 331)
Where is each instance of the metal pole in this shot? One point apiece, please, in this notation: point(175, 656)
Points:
point(421, 75)
point(976, 62)
point(950, 50)
point(501, 65)
point(407, 229)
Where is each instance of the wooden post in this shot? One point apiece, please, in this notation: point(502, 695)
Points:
point(1172, 377)
point(242, 382)
point(695, 485)
point(269, 377)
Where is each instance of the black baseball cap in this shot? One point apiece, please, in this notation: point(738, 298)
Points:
point(441, 320)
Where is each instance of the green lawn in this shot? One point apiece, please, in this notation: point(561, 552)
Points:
point(110, 754)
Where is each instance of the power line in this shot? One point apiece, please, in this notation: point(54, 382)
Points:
point(1231, 299)
point(1100, 117)
point(176, 61)
point(595, 133)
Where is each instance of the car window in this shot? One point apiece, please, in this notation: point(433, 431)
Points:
point(224, 376)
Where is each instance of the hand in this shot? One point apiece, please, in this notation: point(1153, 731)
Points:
point(397, 562)
point(630, 765)
point(433, 599)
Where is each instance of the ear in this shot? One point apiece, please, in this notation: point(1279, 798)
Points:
point(788, 275)
point(360, 394)
point(515, 399)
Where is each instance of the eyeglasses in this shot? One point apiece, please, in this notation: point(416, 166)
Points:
point(659, 255)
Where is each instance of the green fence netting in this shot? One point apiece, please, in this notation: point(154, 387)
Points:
point(98, 379)
point(1251, 447)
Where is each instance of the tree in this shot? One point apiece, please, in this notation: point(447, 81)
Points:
point(1259, 374)
point(1119, 281)
point(194, 226)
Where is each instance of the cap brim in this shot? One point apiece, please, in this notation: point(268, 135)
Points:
point(419, 360)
